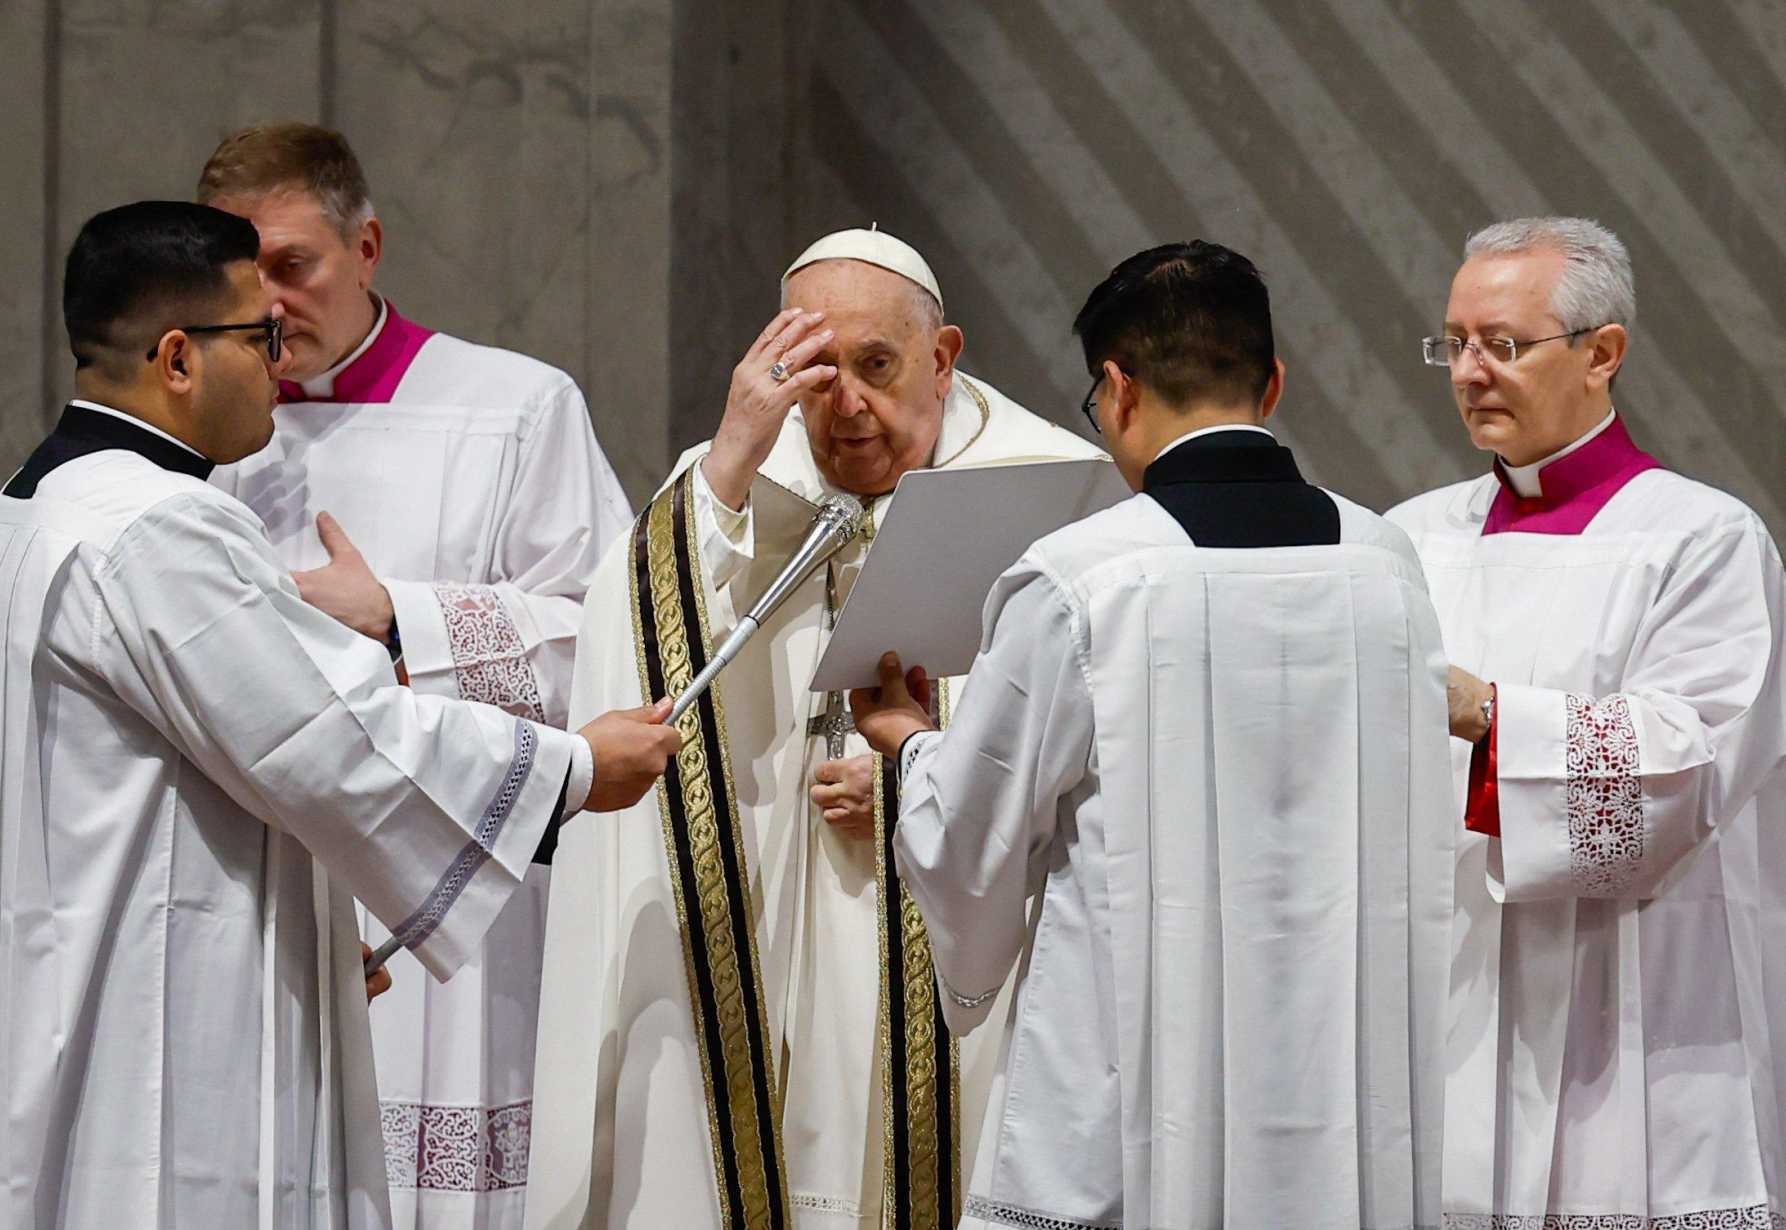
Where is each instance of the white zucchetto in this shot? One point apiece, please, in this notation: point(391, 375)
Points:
point(874, 247)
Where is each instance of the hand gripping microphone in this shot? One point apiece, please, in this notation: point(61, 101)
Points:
point(833, 527)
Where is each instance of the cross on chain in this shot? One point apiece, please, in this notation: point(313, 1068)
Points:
point(835, 723)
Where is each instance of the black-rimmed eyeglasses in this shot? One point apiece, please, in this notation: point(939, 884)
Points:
point(273, 327)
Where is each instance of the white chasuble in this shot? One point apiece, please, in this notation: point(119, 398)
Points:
point(188, 746)
point(1197, 794)
point(1618, 1039)
point(471, 481)
point(628, 1127)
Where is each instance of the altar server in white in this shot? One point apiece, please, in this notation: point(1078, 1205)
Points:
point(198, 769)
point(450, 499)
point(1194, 782)
point(1618, 1044)
point(711, 1051)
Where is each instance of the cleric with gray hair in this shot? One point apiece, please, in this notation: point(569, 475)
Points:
point(1618, 717)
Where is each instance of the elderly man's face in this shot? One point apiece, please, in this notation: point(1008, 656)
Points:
point(881, 414)
point(1544, 399)
point(318, 276)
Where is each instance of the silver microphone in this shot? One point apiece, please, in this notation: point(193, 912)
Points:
point(833, 527)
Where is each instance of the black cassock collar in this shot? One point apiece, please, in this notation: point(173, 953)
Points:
point(81, 431)
point(1241, 489)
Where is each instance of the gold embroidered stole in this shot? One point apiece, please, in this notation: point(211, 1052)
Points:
point(920, 1061)
point(709, 876)
point(710, 882)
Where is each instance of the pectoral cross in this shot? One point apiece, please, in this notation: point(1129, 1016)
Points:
point(835, 723)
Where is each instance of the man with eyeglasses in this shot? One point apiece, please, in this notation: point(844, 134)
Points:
point(450, 501)
point(200, 772)
point(1618, 1045)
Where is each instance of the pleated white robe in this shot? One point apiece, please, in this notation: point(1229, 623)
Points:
point(470, 479)
point(1618, 1049)
point(621, 1134)
point(1203, 794)
point(183, 1030)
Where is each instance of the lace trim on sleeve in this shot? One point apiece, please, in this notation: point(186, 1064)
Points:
point(489, 661)
point(1603, 795)
point(414, 931)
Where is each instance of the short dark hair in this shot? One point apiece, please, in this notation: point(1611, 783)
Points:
point(1192, 321)
point(136, 271)
point(267, 158)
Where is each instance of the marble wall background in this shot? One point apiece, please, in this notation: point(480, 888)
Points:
point(613, 185)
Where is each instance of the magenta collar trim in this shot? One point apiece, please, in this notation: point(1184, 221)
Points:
point(1576, 487)
point(375, 375)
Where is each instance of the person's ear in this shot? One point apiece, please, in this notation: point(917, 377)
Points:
point(1274, 389)
point(1606, 355)
point(1125, 396)
point(174, 356)
point(949, 341)
point(369, 249)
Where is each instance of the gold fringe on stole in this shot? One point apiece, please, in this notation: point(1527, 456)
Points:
point(709, 874)
point(920, 1062)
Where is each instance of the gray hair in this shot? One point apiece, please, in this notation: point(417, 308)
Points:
point(1596, 288)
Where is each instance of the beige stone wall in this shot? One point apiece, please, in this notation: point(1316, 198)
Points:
point(613, 185)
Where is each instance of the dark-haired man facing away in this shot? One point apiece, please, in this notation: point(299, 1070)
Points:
point(1206, 731)
point(199, 773)
point(449, 498)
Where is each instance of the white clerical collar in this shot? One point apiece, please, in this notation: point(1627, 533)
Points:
point(1204, 431)
point(323, 386)
point(1524, 479)
point(138, 423)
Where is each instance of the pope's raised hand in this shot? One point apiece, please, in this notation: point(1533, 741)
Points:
point(767, 382)
point(900, 707)
point(632, 749)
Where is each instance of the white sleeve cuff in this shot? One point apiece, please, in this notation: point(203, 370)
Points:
point(912, 748)
point(580, 779)
point(427, 655)
point(734, 523)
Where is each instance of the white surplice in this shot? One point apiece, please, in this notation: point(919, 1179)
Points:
point(1617, 1059)
point(183, 1029)
point(1201, 793)
point(470, 479)
point(621, 1124)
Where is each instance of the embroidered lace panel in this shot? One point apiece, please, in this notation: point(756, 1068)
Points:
point(1001, 1214)
point(826, 1204)
point(489, 660)
point(416, 929)
point(456, 1148)
point(1753, 1217)
point(1602, 795)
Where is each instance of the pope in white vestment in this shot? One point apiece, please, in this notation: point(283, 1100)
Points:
point(187, 743)
point(636, 1123)
point(469, 478)
point(1618, 1045)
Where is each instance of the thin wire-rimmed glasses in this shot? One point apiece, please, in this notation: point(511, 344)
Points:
point(1448, 350)
point(272, 326)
